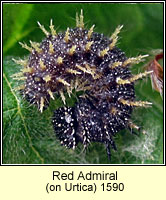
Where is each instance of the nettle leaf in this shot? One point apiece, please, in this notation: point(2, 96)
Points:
point(28, 136)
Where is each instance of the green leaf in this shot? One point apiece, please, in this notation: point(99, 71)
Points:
point(28, 135)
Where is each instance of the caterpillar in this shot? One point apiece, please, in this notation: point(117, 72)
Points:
point(82, 60)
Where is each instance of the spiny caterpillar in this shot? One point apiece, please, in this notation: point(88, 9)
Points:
point(86, 61)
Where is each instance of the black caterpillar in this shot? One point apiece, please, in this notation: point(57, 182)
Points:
point(82, 60)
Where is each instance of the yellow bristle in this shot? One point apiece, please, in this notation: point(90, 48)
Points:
point(47, 78)
point(41, 104)
point(25, 46)
point(20, 78)
point(28, 70)
point(67, 37)
point(90, 69)
point(72, 71)
point(43, 29)
point(36, 45)
point(42, 65)
point(62, 97)
point(72, 50)
point(90, 32)
point(20, 87)
point(21, 62)
point(114, 37)
point(132, 79)
point(87, 69)
point(104, 52)
point(53, 31)
point(134, 60)
point(116, 32)
point(88, 45)
point(17, 74)
point(113, 43)
point(82, 68)
point(135, 103)
point(80, 20)
point(140, 75)
point(60, 80)
point(115, 64)
point(69, 91)
point(122, 81)
point(59, 60)
point(77, 20)
point(51, 47)
point(113, 110)
point(50, 93)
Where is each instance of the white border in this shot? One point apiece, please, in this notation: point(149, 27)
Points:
point(132, 2)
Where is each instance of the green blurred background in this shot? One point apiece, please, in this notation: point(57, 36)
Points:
point(28, 136)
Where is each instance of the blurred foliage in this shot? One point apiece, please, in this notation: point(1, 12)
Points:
point(28, 136)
